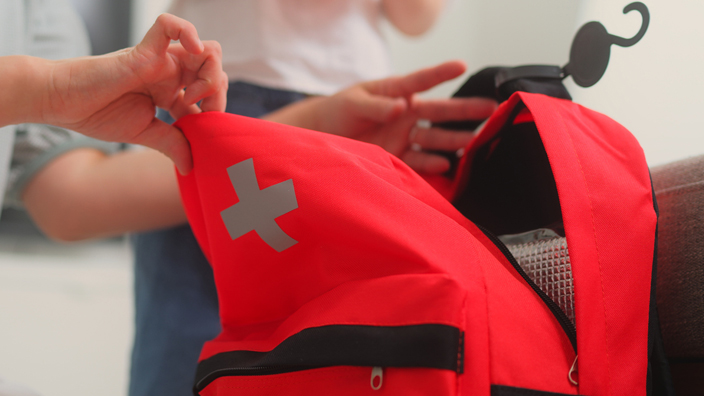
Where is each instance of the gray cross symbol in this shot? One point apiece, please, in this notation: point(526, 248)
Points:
point(258, 209)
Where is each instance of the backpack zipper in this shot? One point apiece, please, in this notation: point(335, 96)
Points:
point(377, 378)
point(560, 315)
point(422, 346)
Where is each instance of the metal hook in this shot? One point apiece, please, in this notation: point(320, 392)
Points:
point(572, 371)
point(640, 7)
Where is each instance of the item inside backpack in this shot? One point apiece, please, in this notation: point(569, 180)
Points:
point(510, 189)
point(511, 193)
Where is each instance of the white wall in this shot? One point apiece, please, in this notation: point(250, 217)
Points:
point(65, 317)
point(144, 12)
point(653, 88)
point(490, 33)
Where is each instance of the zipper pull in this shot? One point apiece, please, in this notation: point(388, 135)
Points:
point(377, 378)
point(573, 370)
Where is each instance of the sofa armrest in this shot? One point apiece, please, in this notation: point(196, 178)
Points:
point(679, 189)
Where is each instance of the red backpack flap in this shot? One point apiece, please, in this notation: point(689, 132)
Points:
point(363, 267)
point(542, 161)
point(375, 269)
point(338, 256)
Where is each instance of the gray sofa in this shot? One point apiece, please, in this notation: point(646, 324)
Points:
point(679, 188)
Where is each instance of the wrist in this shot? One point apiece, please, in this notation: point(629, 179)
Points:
point(317, 109)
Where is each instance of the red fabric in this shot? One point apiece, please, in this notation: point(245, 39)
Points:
point(605, 194)
point(335, 180)
point(356, 380)
point(377, 245)
point(605, 191)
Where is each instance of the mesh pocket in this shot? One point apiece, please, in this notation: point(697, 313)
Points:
point(544, 257)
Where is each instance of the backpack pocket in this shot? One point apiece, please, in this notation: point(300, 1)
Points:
point(400, 334)
point(511, 195)
point(338, 380)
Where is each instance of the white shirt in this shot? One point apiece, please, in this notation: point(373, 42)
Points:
point(310, 46)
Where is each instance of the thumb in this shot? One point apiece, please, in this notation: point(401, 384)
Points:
point(170, 141)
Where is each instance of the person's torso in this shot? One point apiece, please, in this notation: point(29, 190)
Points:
point(312, 46)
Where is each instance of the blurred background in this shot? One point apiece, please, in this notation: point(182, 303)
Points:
point(66, 310)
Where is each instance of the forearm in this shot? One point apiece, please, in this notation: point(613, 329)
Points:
point(413, 17)
point(22, 83)
point(86, 85)
point(50, 92)
point(303, 114)
point(86, 194)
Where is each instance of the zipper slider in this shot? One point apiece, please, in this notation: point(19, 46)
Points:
point(377, 378)
point(573, 370)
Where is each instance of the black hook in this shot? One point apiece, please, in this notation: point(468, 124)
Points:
point(640, 7)
point(591, 48)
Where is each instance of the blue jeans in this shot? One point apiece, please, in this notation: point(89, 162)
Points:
point(176, 306)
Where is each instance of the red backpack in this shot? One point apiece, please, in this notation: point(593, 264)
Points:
point(340, 271)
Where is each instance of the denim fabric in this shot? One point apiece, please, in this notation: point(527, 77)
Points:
point(176, 307)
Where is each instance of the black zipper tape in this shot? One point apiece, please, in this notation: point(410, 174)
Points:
point(559, 314)
point(422, 346)
point(501, 390)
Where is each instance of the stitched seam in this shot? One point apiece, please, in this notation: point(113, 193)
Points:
point(598, 256)
point(463, 353)
point(488, 333)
